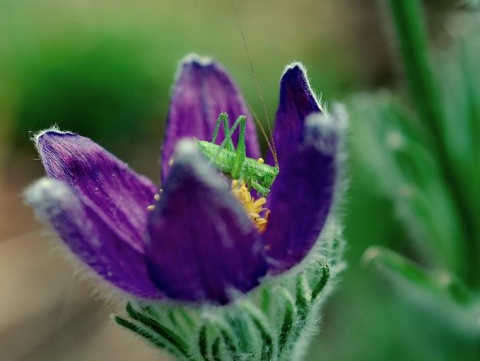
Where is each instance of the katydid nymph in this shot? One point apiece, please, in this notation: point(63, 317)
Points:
point(234, 163)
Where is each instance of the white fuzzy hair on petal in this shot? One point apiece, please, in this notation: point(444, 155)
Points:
point(318, 98)
point(41, 197)
point(35, 136)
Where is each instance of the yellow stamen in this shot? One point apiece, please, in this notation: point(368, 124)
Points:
point(151, 207)
point(253, 207)
point(261, 160)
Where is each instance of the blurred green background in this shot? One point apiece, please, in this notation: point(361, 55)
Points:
point(105, 70)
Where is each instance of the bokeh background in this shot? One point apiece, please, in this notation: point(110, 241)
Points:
point(105, 69)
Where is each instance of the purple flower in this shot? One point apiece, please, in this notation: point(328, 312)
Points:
point(193, 241)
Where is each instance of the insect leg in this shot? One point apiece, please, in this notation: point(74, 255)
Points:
point(228, 136)
point(217, 126)
point(259, 188)
point(223, 119)
point(228, 133)
point(240, 154)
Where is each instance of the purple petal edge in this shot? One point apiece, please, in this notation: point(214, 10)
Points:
point(303, 193)
point(113, 190)
point(203, 89)
point(201, 244)
point(90, 239)
point(297, 100)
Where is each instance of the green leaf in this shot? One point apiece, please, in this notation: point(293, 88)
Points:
point(161, 330)
point(288, 319)
point(321, 283)
point(391, 263)
point(203, 343)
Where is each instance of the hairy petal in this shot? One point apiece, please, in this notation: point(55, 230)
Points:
point(201, 245)
point(90, 238)
point(297, 100)
point(204, 89)
point(302, 194)
point(119, 195)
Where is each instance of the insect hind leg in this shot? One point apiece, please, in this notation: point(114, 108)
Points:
point(223, 119)
point(241, 152)
point(241, 120)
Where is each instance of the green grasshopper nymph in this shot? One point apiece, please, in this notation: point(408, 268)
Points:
point(234, 163)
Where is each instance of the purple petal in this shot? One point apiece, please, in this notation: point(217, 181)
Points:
point(302, 194)
point(297, 100)
point(120, 195)
point(201, 244)
point(91, 238)
point(204, 89)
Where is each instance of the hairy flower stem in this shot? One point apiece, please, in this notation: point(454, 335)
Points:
point(248, 330)
point(408, 19)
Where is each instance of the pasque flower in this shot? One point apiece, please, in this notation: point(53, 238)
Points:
point(193, 240)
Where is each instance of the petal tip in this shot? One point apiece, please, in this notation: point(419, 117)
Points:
point(187, 157)
point(196, 59)
point(185, 149)
point(336, 119)
point(42, 194)
point(297, 72)
point(52, 131)
point(295, 67)
point(324, 130)
point(295, 75)
point(340, 115)
point(197, 63)
point(188, 163)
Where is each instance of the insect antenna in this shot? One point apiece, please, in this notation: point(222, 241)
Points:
point(271, 144)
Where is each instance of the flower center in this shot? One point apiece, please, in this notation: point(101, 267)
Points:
point(254, 207)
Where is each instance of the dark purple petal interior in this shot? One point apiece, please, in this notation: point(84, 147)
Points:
point(204, 89)
point(90, 238)
point(120, 196)
point(302, 194)
point(297, 100)
point(201, 245)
